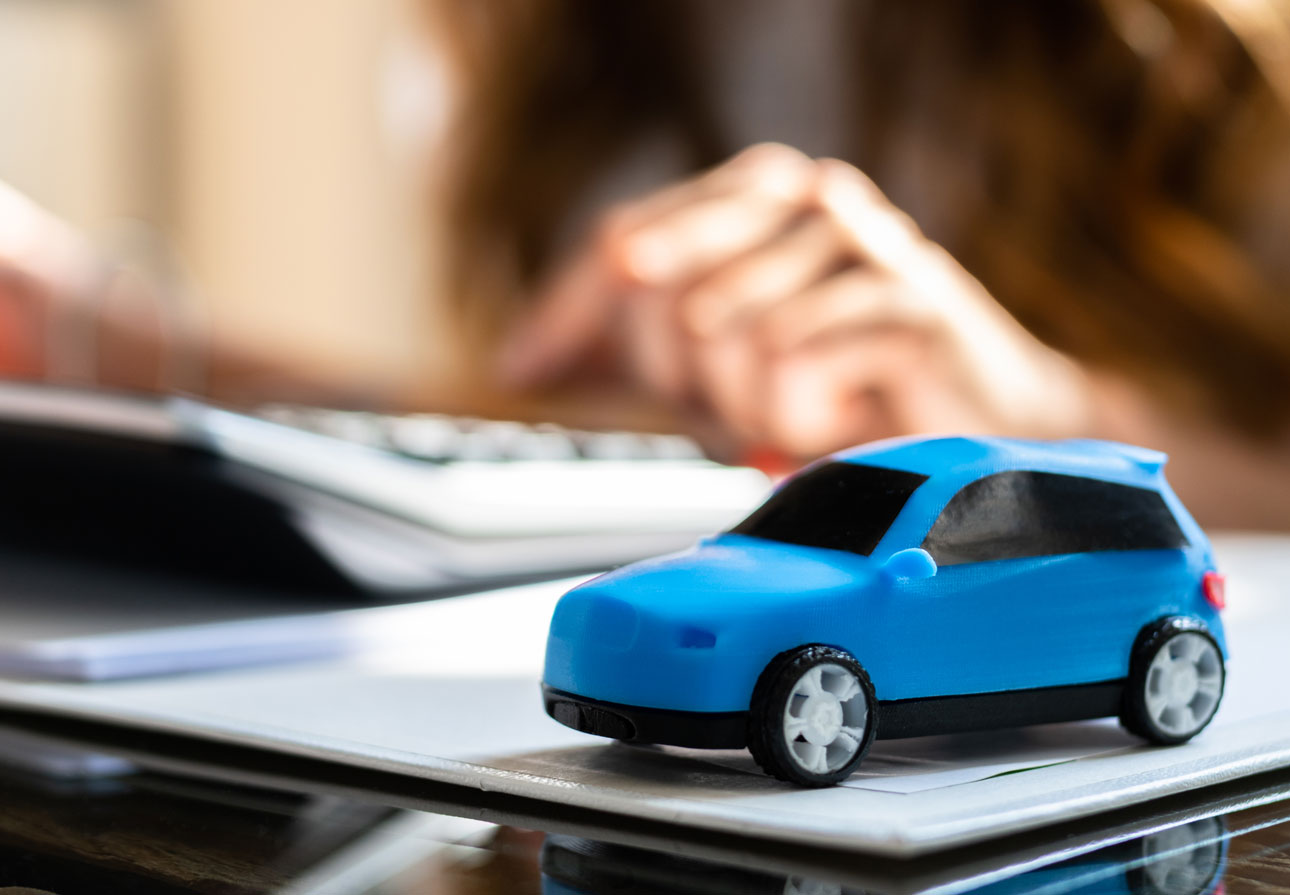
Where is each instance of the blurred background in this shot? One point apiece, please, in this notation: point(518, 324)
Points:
point(277, 150)
point(784, 228)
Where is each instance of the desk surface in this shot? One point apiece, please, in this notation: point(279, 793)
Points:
point(239, 824)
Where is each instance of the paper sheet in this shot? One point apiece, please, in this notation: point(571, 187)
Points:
point(62, 622)
point(462, 705)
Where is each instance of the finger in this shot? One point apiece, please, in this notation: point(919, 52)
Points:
point(42, 246)
point(570, 316)
point(24, 319)
point(730, 376)
point(690, 241)
point(773, 164)
point(834, 395)
point(578, 307)
point(765, 276)
point(870, 384)
point(655, 346)
point(853, 300)
point(880, 231)
point(728, 210)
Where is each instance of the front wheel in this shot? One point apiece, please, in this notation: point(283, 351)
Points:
point(1176, 678)
point(813, 716)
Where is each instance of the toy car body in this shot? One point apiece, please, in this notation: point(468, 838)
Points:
point(903, 588)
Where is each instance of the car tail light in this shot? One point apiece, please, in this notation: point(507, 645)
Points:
point(1215, 587)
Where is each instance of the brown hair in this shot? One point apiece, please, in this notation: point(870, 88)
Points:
point(1108, 170)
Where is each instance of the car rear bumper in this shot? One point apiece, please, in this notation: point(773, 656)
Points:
point(635, 724)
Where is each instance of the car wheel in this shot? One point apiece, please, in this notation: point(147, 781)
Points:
point(1176, 678)
point(813, 716)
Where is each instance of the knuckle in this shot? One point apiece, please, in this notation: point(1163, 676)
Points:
point(835, 173)
point(774, 331)
point(842, 184)
point(773, 154)
point(612, 236)
point(776, 168)
point(906, 224)
point(614, 224)
point(836, 230)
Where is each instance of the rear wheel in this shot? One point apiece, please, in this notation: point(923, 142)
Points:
point(1176, 678)
point(813, 716)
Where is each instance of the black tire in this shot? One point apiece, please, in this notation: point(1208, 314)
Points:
point(768, 732)
point(1141, 714)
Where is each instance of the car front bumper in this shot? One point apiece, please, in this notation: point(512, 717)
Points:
point(635, 724)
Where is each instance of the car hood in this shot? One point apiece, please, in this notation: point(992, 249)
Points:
point(731, 573)
point(691, 631)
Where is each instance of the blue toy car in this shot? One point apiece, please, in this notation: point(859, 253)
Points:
point(903, 588)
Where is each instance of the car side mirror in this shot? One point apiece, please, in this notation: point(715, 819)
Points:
point(912, 563)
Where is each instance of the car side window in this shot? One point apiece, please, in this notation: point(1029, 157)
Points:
point(1019, 513)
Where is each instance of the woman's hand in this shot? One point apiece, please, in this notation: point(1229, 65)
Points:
point(790, 300)
point(44, 267)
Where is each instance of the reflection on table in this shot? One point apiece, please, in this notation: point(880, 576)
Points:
point(152, 833)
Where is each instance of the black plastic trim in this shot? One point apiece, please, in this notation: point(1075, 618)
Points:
point(1008, 708)
point(896, 718)
point(633, 724)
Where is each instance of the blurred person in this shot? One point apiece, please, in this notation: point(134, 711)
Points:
point(72, 315)
point(804, 226)
point(1043, 219)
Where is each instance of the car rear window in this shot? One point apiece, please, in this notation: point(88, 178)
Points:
point(1019, 513)
point(840, 506)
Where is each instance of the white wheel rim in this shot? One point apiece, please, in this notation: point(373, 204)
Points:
point(1184, 683)
point(825, 718)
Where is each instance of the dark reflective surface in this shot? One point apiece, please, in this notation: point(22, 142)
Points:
point(70, 826)
point(1188, 859)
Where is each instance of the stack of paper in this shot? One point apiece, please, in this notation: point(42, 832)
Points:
point(72, 623)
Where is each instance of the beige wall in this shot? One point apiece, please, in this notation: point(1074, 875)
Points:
point(277, 145)
point(76, 123)
point(295, 205)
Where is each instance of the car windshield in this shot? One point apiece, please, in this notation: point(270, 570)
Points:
point(841, 506)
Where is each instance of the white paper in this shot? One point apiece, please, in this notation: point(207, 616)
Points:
point(74, 624)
